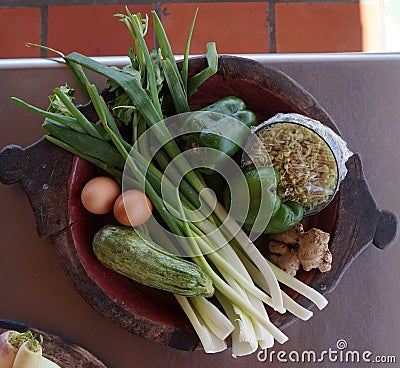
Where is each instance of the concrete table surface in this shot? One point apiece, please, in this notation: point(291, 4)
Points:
point(361, 92)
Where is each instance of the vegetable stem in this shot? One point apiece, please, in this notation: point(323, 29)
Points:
point(212, 316)
point(211, 343)
point(185, 64)
point(85, 123)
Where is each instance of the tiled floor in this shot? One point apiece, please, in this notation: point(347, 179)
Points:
point(236, 26)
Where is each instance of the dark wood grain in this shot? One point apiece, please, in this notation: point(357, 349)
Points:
point(53, 178)
point(38, 168)
point(66, 354)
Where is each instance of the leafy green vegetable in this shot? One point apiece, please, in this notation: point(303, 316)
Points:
point(57, 106)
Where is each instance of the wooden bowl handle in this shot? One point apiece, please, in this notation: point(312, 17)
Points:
point(387, 229)
point(43, 170)
point(360, 224)
point(367, 222)
point(11, 164)
point(375, 226)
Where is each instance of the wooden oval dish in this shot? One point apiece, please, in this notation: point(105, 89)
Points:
point(59, 350)
point(353, 218)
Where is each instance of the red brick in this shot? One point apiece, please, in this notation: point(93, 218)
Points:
point(235, 27)
point(92, 30)
point(330, 27)
point(17, 27)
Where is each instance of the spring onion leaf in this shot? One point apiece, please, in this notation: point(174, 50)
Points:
point(82, 120)
point(115, 173)
point(68, 121)
point(197, 80)
point(185, 64)
point(178, 93)
point(165, 46)
point(138, 34)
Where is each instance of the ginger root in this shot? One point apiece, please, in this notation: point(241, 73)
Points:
point(294, 247)
point(291, 236)
point(313, 250)
point(288, 261)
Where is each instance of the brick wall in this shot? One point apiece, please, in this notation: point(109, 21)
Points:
point(237, 26)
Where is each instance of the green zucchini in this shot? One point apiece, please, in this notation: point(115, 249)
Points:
point(130, 253)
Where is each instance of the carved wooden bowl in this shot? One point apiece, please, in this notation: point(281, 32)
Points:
point(53, 179)
point(61, 351)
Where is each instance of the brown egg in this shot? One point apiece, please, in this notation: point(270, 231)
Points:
point(99, 194)
point(132, 208)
